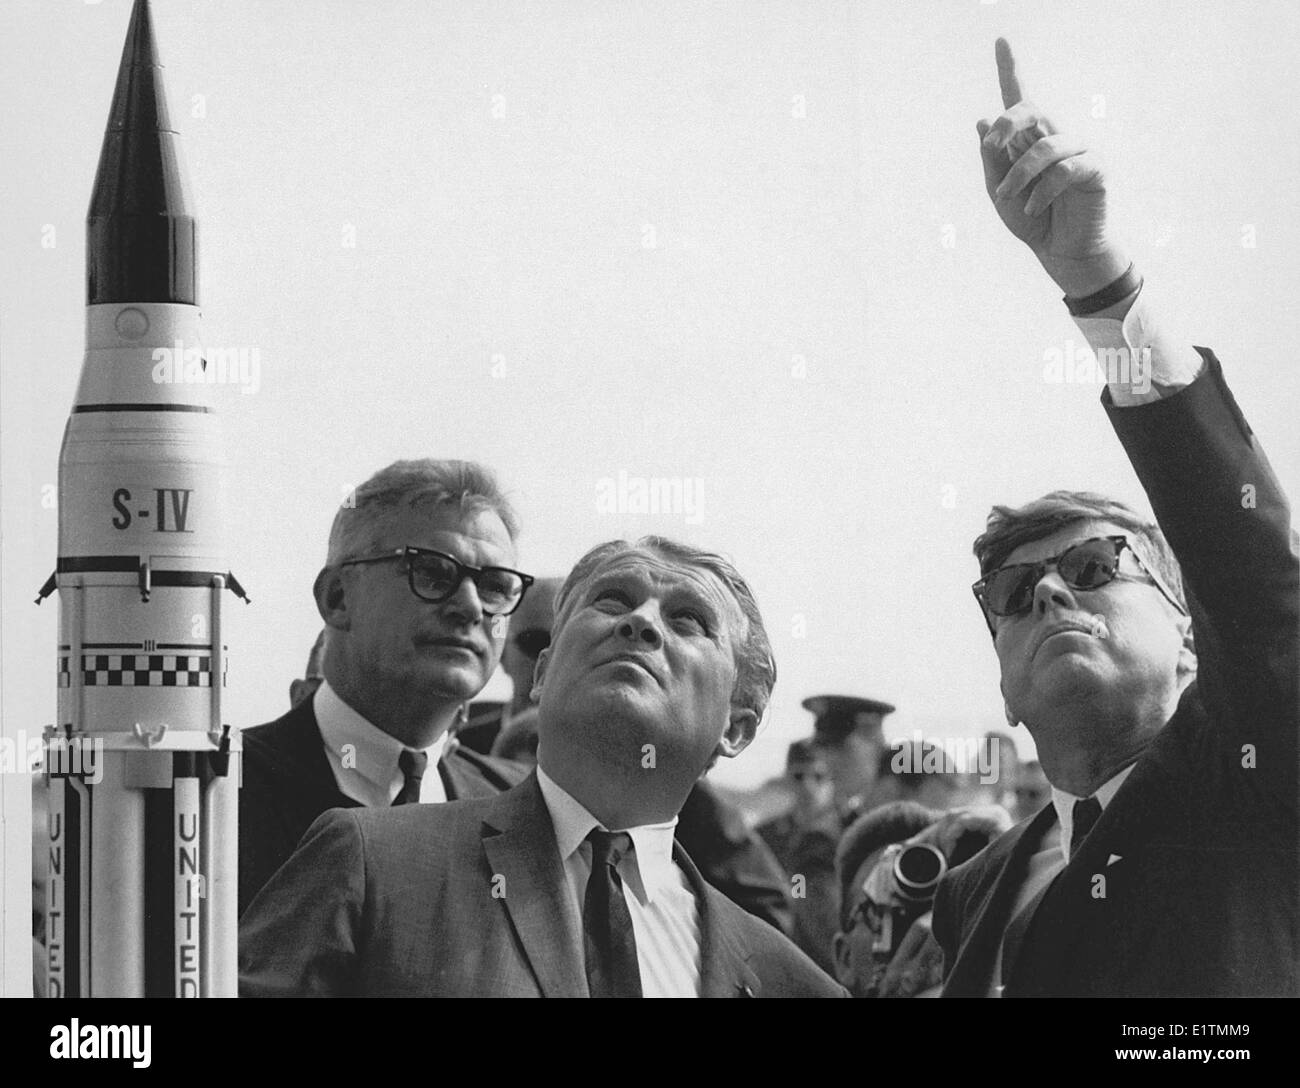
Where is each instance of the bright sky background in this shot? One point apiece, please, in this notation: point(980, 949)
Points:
point(809, 177)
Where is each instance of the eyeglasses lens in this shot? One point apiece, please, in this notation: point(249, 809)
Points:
point(436, 578)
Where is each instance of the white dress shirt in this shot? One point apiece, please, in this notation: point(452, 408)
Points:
point(665, 921)
point(364, 758)
point(1064, 804)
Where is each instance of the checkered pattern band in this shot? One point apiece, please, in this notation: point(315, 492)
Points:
point(142, 670)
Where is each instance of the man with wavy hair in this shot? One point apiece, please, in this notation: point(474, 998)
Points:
point(1155, 664)
point(570, 884)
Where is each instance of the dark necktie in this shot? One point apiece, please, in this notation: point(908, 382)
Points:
point(609, 943)
point(412, 765)
point(1086, 813)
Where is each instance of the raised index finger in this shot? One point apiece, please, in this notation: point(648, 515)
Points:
point(1011, 93)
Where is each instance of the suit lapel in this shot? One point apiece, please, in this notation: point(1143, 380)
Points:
point(978, 955)
point(300, 758)
point(463, 775)
point(519, 842)
point(724, 967)
point(1064, 918)
point(449, 770)
point(1144, 801)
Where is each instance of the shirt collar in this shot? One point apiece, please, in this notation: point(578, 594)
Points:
point(652, 861)
point(375, 753)
point(1064, 804)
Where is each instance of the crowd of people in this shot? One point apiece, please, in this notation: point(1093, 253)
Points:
point(398, 839)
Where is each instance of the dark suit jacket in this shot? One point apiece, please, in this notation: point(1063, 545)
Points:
point(288, 782)
point(467, 900)
point(808, 852)
point(711, 831)
point(732, 858)
point(1188, 884)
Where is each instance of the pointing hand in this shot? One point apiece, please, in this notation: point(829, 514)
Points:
point(1048, 189)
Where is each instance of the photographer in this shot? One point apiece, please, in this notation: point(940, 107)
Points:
point(889, 863)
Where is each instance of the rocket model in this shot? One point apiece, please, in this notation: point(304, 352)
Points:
point(141, 899)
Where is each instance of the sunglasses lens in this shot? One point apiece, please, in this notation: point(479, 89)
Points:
point(1010, 591)
point(1090, 564)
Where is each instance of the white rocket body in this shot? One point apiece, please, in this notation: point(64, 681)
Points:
point(143, 774)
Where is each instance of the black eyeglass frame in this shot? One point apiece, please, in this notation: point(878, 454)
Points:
point(463, 571)
point(1119, 541)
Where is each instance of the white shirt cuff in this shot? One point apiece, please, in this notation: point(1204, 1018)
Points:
point(1143, 360)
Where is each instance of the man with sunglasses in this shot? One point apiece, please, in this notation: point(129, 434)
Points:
point(415, 594)
point(1166, 864)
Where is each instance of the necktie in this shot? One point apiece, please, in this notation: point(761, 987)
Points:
point(1086, 813)
point(609, 943)
point(412, 765)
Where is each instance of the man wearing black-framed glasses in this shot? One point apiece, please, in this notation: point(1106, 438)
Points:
point(1166, 863)
point(574, 883)
point(415, 593)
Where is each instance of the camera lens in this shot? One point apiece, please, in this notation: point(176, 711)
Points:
point(918, 870)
